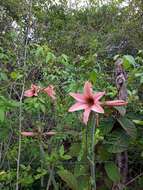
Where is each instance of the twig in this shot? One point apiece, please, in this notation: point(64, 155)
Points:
point(21, 97)
point(132, 180)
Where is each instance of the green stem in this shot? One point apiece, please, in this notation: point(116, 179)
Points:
point(93, 170)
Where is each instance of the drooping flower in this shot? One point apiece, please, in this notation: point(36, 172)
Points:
point(89, 101)
point(28, 134)
point(115, 103)
point(31, 134)
point(50, 91)
point(33, 91)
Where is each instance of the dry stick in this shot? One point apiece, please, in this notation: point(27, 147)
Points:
point(42, 155)
point(21, 97)
point(132, 180)
point(41, 149)
point(19, 140)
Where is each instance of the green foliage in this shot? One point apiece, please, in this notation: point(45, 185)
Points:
point(112, 171)
point(69, 178)
point(117, 142)
point(128, 126)
point(128, 61)
point(47, 43)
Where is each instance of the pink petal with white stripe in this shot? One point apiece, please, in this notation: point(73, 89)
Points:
point(77, 106)
point(88, 89)
point(79, 97)
point(86, 114)
point(50, 91)
point(29, 93)
point(98, 95)
point(97, 108)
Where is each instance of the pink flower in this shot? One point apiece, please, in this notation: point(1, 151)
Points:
point(27, 134)
point(88, 101)
point(115, 103)
point(33, 91)
point(50, 133)
point(31, 134)
point(50, 91)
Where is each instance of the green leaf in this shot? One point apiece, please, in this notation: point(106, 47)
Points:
point(121, 110)
point(106, 126)
point(64, 59)
point(128, 126)
point(112, 171)
point(141, 79)
point(66, 157)
point(116, 57)
point(93, 76)
point(50, 57)
point(75, 149)
point(61, 151)
point(39, 51)
point(69, 178)
point(138, 122)
point(3, 76)
point(117, 141)
point(15, 75)
point(128, 61)
point(2, 114)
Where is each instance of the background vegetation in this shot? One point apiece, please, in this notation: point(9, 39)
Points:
point(43, 42)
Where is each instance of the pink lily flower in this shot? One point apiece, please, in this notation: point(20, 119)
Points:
point(89, 101)
point(31, 134)
point(33, 91)
point(50, 91)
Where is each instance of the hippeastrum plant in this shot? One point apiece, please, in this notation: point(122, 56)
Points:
point(50, 91)
point(90, 102)
point(34, 90)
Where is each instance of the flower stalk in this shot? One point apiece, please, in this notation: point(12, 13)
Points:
point(93, 165)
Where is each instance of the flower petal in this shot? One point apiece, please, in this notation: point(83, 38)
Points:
point(115, 103)
point(50, 133)
point(78, 106)
point(88, 89)
point(33, 91)
point(97, 108)
point(34, 87)
point(28, 134)
point(79, 97)
point(98, 95)
point(86, 114)
point(29, 93)
point(50, 91)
